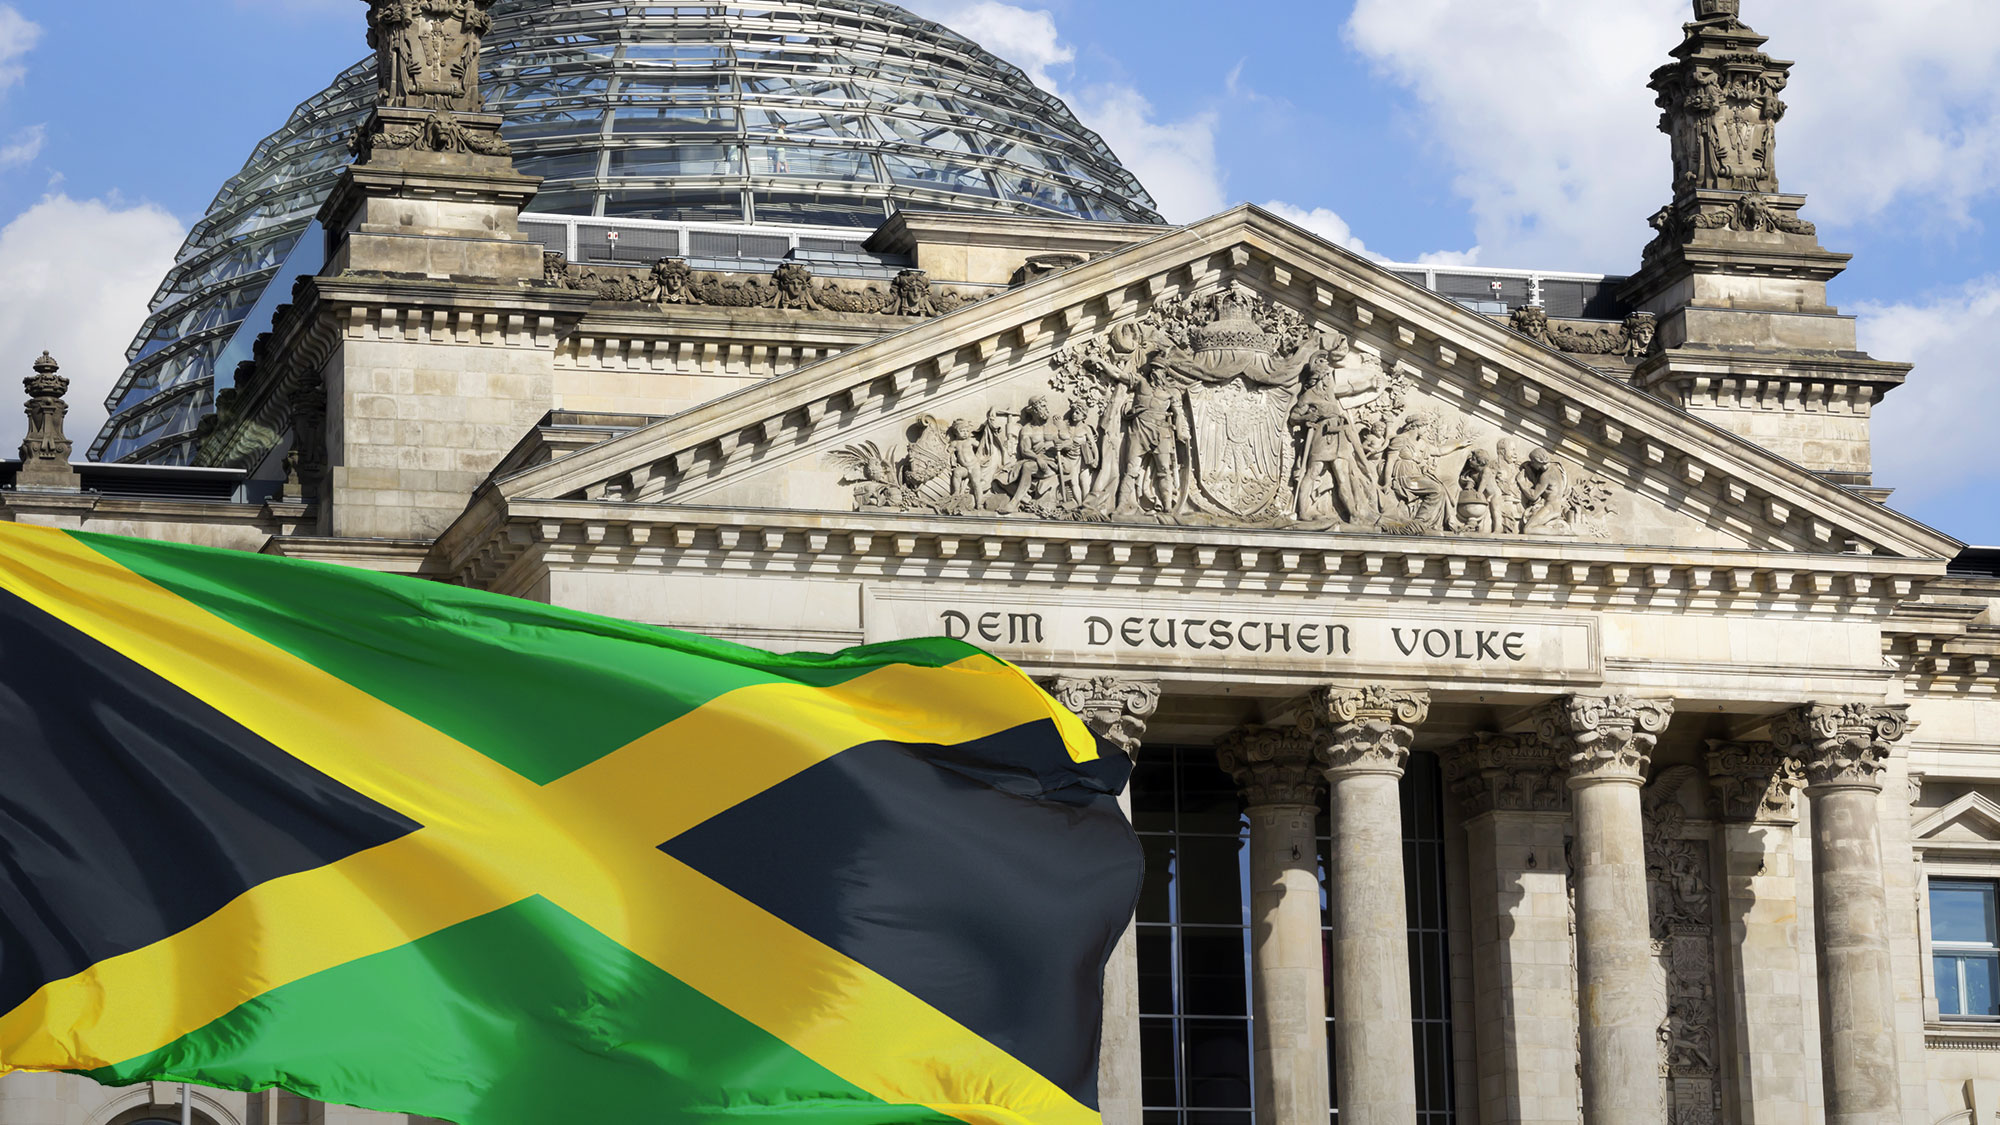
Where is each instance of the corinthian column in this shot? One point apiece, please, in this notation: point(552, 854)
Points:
point(1116, 711)
point(1280, 781)
point(1844, 749)
point(1606, 743)
point(1754, 786)
point(1362, 737)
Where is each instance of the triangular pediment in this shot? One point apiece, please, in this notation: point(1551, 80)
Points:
point(1236, 373)
point(1971, 819)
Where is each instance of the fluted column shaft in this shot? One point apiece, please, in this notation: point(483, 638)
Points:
point(1280, 782)
point(1363, 740)
point(1607, 743)
point(1116, 711)
point(1845, 749)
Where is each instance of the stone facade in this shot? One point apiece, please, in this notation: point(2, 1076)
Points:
point(1228, 487)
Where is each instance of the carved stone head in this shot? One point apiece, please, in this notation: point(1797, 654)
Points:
point(1038, 412)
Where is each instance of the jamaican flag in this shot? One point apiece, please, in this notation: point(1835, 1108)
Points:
point(410, 847)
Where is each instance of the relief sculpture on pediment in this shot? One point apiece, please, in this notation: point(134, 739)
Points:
point(1228, 410)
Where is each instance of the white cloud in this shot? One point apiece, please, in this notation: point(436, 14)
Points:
point(1542, 107)
point(18, 36)
point(23, 147)
point(1934, 435)
point(79, 274)
point(1451, 257)
point(1323, 222)
point(1175, 160)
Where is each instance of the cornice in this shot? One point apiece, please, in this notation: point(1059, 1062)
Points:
point(497, 533)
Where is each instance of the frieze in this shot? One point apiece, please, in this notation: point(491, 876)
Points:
point(791, 287)
point(1109, 630)
point(1228, 410)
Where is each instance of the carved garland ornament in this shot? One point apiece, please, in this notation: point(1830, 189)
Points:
point(1633, 339)
point(1364, 729)
point(791, 287)
point(1230, 411)
point(1272, 766)
point(1844, 744)
point(1116, 710)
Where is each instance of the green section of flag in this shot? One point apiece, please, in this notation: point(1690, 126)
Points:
point(543, 691)
point(525, 1016)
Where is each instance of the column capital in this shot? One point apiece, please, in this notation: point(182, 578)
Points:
point(1506, 773)
point(1604, 737)
point(1271, 765)
point(1753, 781)
point(1115, 709)
point(1364, 729)
point(1841, 745)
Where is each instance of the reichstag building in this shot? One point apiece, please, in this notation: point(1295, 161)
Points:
point(1541, 711)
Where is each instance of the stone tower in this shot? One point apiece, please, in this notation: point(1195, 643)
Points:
point(1737, 279)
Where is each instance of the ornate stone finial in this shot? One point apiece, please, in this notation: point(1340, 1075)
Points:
point(1115, 710)
point(1717, 9)
point(1841, 745)
point(427, 78)
point(1506, 773)
point(46, 448)
point(1366, 729)
point(1604, 737)
point(1753, 781)
point(427, 52)
point(1720, 105)
point(1272, 766)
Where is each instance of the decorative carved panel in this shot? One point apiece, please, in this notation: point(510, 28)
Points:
point(1682, 906)
point(1228, 410)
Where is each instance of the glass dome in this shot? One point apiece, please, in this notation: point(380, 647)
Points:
point(821, 113)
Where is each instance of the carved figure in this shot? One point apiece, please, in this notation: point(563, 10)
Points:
point(1475, 495)
point(672, 283)
point(1076, 454)
point(1546, 495)
point(1507, 480)
point(1037, 472)
point(1533, 322)
point(1156, 430)
point(910, 295)
point(1417, 492)
point(972, 464)
point(1334, 479)
point(791, 288)
point(929, 461)
point(1640, 329)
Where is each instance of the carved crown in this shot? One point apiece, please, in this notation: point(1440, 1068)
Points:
point(45, 383)
point(1234, 329)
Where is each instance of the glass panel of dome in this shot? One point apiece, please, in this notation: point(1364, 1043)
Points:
point(677, 206)
point(674, 119)
point(938, 174)
point(818, 210)
point(563, 202)
point(554, 123)
point(676, 160)
point(812, 163)
point(557, 165)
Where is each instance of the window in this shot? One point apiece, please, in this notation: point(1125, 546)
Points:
point(1195, 940)
point(1965, 949)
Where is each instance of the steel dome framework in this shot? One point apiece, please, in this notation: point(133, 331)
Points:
point(823, 113)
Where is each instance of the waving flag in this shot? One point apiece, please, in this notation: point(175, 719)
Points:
point(411, 847)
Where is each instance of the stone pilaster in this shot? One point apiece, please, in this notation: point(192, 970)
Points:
point(1116, 711)
point(1362, 737)
point(1844, 749)
point(46, 448)
point(1280, 780)
point(1606, 744)
point(1753, 788)
point(1514, 799)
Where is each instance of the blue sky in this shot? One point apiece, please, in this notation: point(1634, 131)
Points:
point(1516, 134)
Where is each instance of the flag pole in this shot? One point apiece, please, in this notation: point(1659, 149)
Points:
point(187, 1107)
